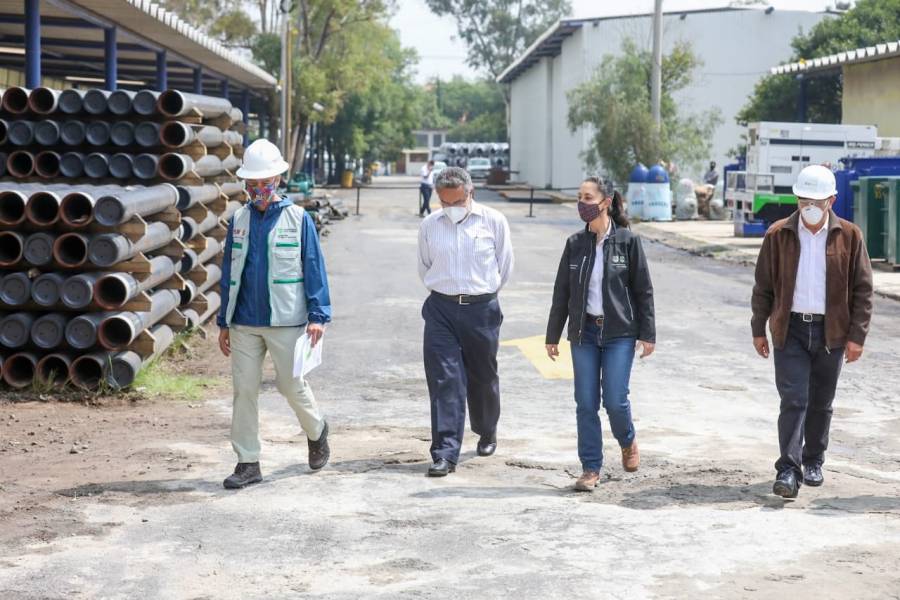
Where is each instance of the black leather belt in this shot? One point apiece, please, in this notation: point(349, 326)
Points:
point(596, 319)
point(463, 299)
point(807, 317)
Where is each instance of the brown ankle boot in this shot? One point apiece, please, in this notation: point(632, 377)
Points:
point(631, 457)
point(588, 481)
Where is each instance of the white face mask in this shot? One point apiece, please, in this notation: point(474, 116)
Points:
point(812, 214)
point(456, 213)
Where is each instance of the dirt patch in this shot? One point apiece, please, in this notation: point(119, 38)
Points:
point(57, 448)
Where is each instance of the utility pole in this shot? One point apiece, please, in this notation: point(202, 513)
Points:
point(285, 77)
point(656, 69)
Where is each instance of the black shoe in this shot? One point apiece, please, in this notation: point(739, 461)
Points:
point(244, 474)
point(812, 475)
point(487, 445)
point(786, 485)
point(441, 468)
point(319, 452)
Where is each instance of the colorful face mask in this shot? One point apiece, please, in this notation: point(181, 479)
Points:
point(261, 194)
point(588, 212)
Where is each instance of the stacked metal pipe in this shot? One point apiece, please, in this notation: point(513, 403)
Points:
point(458, 154)
point(113, 209)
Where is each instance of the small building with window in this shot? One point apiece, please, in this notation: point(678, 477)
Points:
point(427, 143)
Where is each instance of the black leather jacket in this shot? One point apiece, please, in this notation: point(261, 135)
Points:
point(627, 289)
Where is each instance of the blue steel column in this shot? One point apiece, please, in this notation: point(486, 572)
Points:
point(32, 43)
point(226, 89)
point(245, 107)
point(263, 119)
point(110, 57)
point(198, 80)
point(162, 71)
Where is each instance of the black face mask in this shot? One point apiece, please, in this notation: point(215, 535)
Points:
point(589, 212)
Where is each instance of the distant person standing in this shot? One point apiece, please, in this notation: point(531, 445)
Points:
point(426, 185)
point(814, 287)
point(465, 257)
point(712, 176)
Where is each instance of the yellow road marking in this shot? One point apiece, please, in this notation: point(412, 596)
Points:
point(534, 350)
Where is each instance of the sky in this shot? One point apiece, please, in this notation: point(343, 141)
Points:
point(442, 55)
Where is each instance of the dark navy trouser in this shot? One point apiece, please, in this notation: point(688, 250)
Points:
point(425, 194)
point(806, 375)
point(460, 352)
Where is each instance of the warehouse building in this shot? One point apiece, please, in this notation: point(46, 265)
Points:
point(122, 44)
point(736, 45)
point(871, 77)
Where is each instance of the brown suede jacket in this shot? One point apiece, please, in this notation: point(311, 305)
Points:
point(848, 282)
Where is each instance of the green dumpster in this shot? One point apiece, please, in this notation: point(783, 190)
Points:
point(892, 239)
point(869, 203)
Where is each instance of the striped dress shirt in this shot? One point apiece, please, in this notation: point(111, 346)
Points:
point(472, 257)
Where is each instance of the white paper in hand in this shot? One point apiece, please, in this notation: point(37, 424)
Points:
point(306, 358)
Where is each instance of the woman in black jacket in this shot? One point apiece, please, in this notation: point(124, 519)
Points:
point(603, 290)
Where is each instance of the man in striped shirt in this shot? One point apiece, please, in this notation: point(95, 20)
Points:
point(465, 257)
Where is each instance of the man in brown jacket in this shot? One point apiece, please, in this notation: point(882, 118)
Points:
point(814, 287)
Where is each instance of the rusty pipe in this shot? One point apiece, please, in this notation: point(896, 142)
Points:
point(53, 369)
point(47, 164)
point(12, 248)
point(20, 163)
point(88, 371)
point(43, 101)
point(71, 249)
point(107, 249)
point(76, 209)
point(114, 290)
point(15, 100)
point(174, 166)
point(121, 329)
point(189, 292)
point(12, 207)
point(18, 369)
point(173, 103)
point(115, 209)
point(188, 229)
point(42, 208)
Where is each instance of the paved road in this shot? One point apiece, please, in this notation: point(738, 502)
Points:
point(697, 518)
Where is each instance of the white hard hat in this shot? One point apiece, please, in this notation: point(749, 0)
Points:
point(816, 183)
point(262, 160)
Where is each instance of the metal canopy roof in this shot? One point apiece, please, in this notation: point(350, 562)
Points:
point(549, 44)
point(836, 61)
point(72, 43)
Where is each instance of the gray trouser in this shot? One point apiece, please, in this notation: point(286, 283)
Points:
point(248, 349)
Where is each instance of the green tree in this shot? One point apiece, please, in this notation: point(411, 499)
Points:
point(615, 104)
point(474, 111)
point(224, 20)
point(497, 32)
point(775, 97)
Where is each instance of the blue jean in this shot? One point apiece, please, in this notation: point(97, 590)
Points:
point(425, 195)
point(602, 373)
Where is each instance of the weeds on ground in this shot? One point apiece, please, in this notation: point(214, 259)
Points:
point(159, 378)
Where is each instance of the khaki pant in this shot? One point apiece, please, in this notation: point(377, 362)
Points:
point(248, 349)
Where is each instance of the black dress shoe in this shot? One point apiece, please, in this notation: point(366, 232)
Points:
point(441, 468)
point(319, 452)
point(812, 475)
point(786, 485)
point(487, 445)
point(244, 474)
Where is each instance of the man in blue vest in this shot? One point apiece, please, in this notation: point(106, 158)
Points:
point(274, 290)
